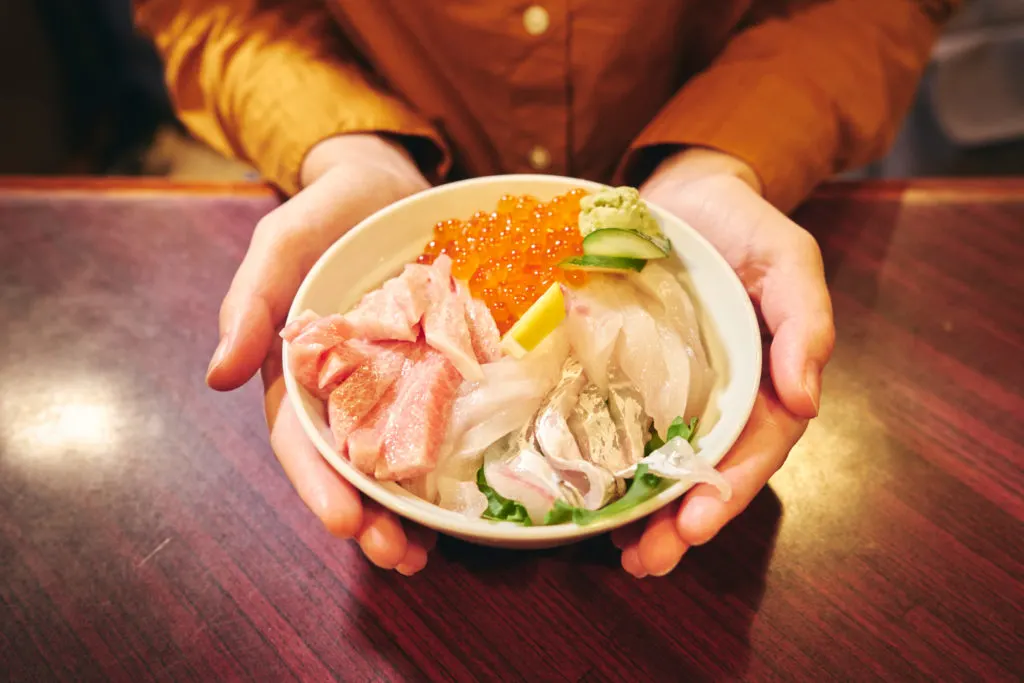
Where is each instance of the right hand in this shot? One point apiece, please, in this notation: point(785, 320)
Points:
point(346, 179)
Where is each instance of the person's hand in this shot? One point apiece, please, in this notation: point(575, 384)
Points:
point(346, 179)
point(780, 265)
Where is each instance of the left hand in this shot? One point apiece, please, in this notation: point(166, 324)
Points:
point(780, 265)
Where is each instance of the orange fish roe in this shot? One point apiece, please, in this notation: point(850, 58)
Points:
point(511, 255)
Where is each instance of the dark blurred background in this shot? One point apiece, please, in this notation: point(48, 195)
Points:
point(81, 93)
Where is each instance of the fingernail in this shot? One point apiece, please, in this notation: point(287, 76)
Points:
point(812, 385)
point(218, 355)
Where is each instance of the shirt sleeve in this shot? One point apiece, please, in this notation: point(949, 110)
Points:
point(808, 89)
point(263, 81)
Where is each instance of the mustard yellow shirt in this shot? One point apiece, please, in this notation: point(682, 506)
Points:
point(600, 89)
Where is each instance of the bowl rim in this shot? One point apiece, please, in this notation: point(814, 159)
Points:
point(450, 522)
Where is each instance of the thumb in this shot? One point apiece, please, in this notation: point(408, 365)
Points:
point(255, 306)
point(797, 309)
point(284, 246)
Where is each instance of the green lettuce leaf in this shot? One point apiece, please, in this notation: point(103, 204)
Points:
point(499, 508)
point(677, 428)
point(642, 487)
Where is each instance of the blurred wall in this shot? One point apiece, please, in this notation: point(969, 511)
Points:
point(33, 102)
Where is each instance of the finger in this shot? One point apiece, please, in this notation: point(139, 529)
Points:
point(381, 537)
point(628, 535)
point(661, 547)
point(257, 302)
point(332, 499)
point(420, 542)
point(415, 560)
point(631, 563)
point(421, 536)
point(798, 312)
point(760, 451)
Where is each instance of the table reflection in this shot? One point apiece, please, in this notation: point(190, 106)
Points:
point(80, 417)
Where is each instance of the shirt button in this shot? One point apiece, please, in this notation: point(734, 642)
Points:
point(540, 158)
point(536, 20)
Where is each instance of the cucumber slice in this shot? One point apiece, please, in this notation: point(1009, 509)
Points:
point(625, 243)
point(603, 264)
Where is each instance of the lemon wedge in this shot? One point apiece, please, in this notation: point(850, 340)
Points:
point(540, 320)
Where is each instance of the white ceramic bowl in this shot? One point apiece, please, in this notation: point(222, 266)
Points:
point(378, 247)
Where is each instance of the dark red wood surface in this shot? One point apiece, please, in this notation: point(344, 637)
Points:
point(147, 533)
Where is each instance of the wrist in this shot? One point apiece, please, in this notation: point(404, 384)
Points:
point(374, 153)
point(697, 163)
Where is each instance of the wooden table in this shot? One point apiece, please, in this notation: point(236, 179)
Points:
point(147, 533)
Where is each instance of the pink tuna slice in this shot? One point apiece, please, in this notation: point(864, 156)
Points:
point(296, 326)
point(483, 331)
point(394, 310)
point(354, 398)
point(307, 350)
point(366, 442)
point(444, 323)
point(410, 291)
point(379, 316)
point(419, 418)
point(338, 364)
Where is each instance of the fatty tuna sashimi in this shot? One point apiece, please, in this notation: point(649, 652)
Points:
point(298, 324)
point(366, 443)
point(483, 331)
point(339, 363)
point(663, 287)
point(444, 322)
point(593, 329)
point(308, 348)
point(393, 311)
point(410, 291)
point(418, 421)
point(355, 397)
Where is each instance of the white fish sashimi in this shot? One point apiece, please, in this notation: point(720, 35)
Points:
point(424, 486)
point(659, 284)
point(675, 391)
point(503, 402)
point(523, 475)
point(638, 353)
point(677, 460)
point(624, 405)
point(592, 425)
point(559, 444)
point(593, 329)
point(463, 497)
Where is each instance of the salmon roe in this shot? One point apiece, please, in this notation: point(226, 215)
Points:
point(510, 256)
